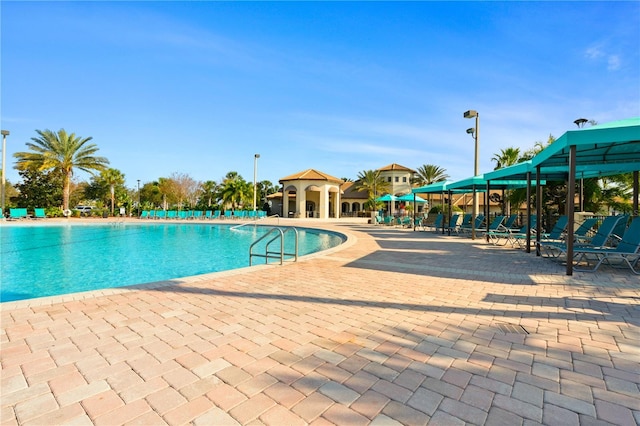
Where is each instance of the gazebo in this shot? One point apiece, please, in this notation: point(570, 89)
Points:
point(311, 193)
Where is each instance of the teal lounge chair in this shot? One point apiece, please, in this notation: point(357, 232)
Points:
point(144, 214)
point(437, 224)
point(602, 238)
point(39, 214)
point(495, 226)
point(509, 223)
point(477, 224)
point(216, 214)
point(625, 254)
point(454, 224)
point(518, 237)
point(17, 214)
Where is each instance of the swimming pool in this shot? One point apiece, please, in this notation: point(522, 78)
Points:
point(60, 259)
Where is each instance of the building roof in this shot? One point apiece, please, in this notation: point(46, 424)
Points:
point(349, 191)
point(395, 167)
point(311, 174)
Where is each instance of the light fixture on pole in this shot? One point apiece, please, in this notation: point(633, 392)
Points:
point(255, 176)
point(580, 122)
point(5, 133)
point(475, 134)
point(138, 197)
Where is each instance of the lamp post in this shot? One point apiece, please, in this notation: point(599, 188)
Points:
point(475, 134)
point(255, 176)
point(5, 133)
point(580, 122)
point(138, 197)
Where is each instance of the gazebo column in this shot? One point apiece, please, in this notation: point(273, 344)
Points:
point(324, 202)
point(301, 201)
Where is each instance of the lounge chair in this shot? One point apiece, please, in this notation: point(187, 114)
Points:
point(144, 214)
point(625, 254)
point(17, 214)
point(513, 237)
point(477, 224)
point(602, 238)
point(496, 225)
point(39, 213)
point(437, 224)
point(466, 223)
point(228, 214)
point(510, 222)
point(557, 231)
point(216, 214)
point(454, 224)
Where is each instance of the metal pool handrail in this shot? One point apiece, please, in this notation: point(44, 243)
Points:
point(279, 233)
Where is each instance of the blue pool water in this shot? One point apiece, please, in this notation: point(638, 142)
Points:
point(49, 260)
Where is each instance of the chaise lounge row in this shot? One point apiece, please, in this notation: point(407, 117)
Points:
point(202, 215)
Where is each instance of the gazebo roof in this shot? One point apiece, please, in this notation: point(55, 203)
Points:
point(311, 174)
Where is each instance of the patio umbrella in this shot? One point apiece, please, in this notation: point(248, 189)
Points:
point(387, 198)
point(409, 197)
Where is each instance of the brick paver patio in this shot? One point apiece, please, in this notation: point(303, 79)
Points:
point(396, 327)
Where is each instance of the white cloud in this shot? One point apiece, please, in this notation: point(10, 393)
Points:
point(614, 63)
point(594, 52)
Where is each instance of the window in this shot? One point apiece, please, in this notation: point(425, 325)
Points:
point(389, 179)
point(404, 179)
point(397, 179)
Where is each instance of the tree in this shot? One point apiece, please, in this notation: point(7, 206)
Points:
point(113, 178)
point(372, 182)
point(507, 157)
point(38, 189)
point(235, 191)
point(61, 152)
point(208, 193)
point(185, 189)
point(428, 174)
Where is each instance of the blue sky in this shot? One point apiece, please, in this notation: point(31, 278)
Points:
point(341, 87)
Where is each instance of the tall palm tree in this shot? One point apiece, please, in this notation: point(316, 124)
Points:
point(507, 157)
point(113, 178)
point(235, 190)
point(62, 152)
point(372, 182)
point(209, 189)
point(428, 174)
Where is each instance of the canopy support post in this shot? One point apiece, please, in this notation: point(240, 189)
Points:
point(571, 199)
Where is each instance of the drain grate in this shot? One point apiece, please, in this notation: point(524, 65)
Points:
point(511, 328)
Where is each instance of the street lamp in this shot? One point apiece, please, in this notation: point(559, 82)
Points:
point(255, 175)
point(5, 133)
point(475, 134)
point(138, 197)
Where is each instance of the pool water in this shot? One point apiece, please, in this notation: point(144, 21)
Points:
point(50, 260)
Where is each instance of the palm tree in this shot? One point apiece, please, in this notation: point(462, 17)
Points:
point(235, 190)
point(507, 157)
point(428, 174)
point(113, 178)
point(209, 189)
point(372, 182)
point(61, 152)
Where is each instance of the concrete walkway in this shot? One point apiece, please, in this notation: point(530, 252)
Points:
point(396, 327)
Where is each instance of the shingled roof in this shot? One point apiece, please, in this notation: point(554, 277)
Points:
point(395, 167)
point(312, 174)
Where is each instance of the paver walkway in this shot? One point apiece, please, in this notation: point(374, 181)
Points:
point(397, 327)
